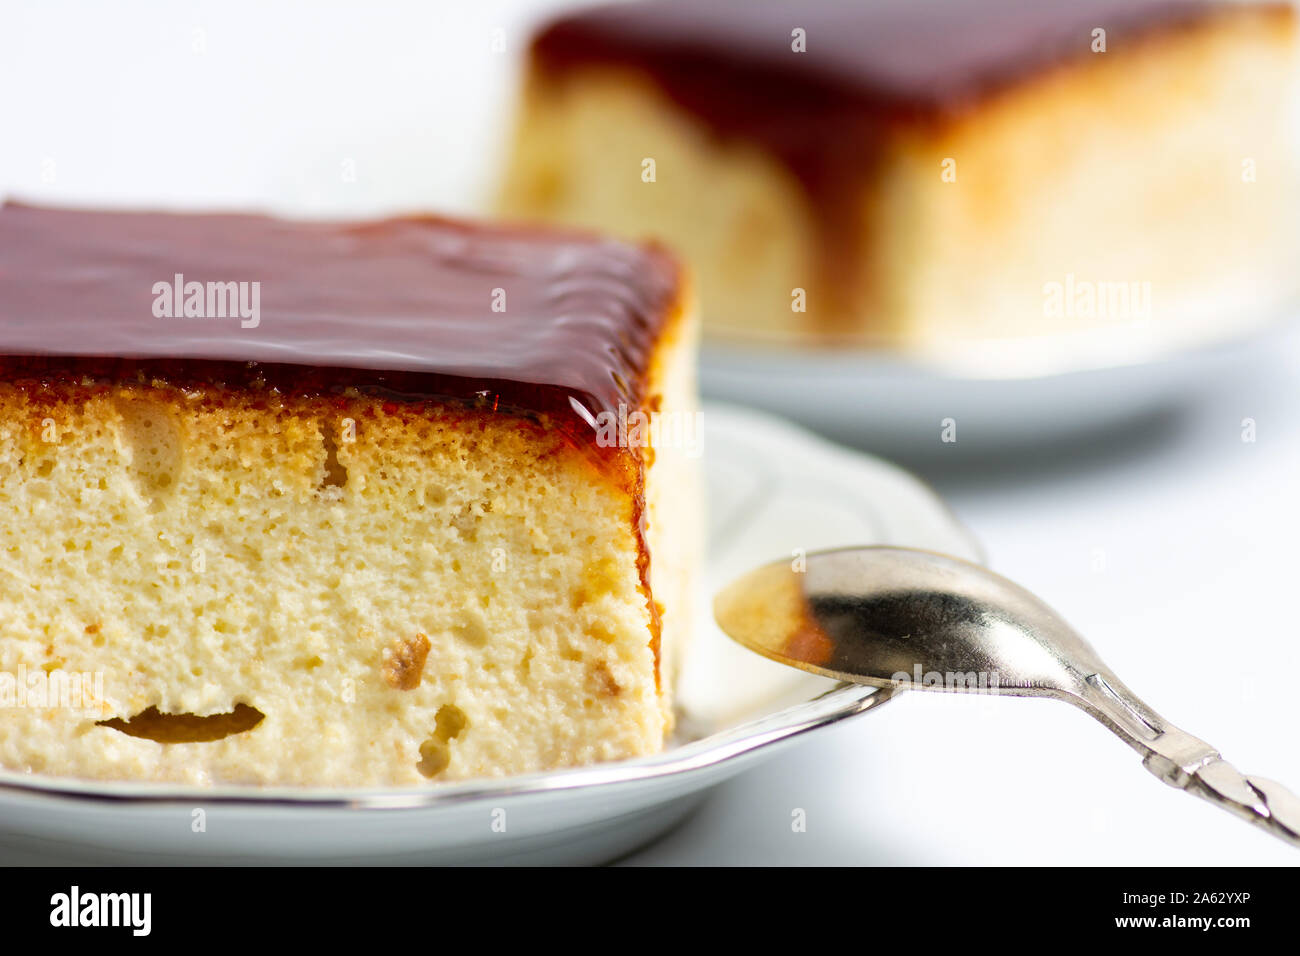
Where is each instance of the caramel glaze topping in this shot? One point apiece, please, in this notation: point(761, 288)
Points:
point(552, 327)
point(868, 65)
point(732, 61)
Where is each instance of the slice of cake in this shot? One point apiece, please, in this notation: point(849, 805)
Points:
point(337, 503)
point(928, 174)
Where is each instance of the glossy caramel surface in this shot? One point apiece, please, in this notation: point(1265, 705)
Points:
point(888, 54)
point(555, 327)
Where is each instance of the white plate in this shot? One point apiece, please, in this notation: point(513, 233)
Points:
point(772, 489)
point(998, 396)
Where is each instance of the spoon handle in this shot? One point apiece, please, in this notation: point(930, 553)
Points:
point(1186, 762)
point(1260, 801)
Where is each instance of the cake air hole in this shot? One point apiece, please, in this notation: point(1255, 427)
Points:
point(435, 753)
point(152, 724)
point(152, 439)
point(336, 473)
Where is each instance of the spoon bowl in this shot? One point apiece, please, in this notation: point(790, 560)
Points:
point(900, 618)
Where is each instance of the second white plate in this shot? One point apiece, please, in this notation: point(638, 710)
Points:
point(903, 406)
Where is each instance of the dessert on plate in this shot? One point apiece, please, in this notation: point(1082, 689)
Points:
point(338, 503)
point(924, 175)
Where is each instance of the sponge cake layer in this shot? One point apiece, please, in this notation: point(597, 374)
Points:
point(376, 539)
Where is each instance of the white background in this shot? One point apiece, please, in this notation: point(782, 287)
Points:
point(1170, 544)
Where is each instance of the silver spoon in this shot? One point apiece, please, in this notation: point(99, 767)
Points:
point(899, 618)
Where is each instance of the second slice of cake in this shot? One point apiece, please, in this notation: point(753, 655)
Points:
point(930, 174)
point(337, 503)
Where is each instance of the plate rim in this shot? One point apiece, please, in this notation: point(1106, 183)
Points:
point(838, 703)
point(1012, 360)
